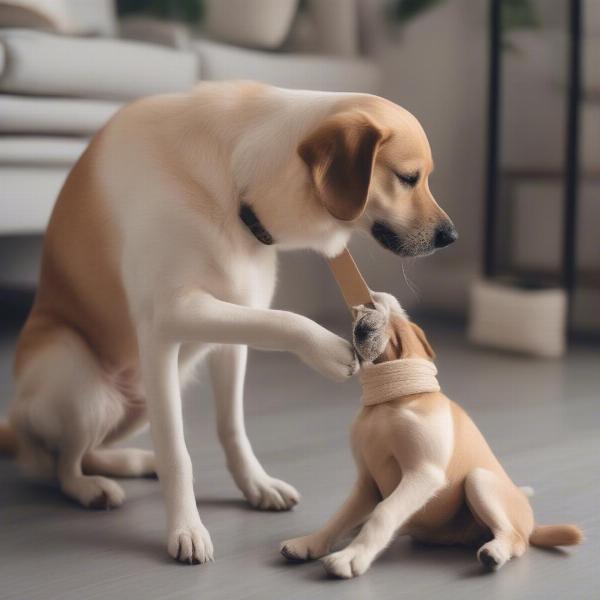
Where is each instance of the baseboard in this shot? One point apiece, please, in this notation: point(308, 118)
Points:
point(15, 304)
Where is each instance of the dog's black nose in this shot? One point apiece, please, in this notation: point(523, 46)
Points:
point(444, 236)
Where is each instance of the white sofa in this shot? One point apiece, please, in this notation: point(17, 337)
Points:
point(56, 91)
point(79, 83)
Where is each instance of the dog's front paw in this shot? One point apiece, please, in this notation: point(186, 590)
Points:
point(329, 354)
point(347, 563)
point(370, 334)
point(191, 544)
point(268, 493)
point(300, 549)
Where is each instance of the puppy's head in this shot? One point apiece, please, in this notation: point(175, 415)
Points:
point(385, 332)
point(370, 163)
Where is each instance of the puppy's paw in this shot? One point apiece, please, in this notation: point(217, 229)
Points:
point(300, 549)
point(493, 555)
point(370, 333)
point(387, 303)
point(329, 354)
point(345, 564)
point(267, 493)
point(191, 544)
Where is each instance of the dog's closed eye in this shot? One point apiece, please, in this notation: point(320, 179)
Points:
point(408, 179)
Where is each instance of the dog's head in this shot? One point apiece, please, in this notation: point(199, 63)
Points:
point(369, 164)
point(387, 329)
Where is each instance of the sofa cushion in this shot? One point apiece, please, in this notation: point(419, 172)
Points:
point(40, 150)
point(60, 116)
point(302, 71)
point(32, 192)
point(35, 62)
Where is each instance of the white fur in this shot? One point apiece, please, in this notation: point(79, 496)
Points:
point(231, 280)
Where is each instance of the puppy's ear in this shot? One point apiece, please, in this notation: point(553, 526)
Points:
point(340, 155)
point(423, 339)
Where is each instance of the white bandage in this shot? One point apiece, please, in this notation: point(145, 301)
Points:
point(394, 379)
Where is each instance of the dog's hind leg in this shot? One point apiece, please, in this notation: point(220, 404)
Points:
point(502, 507)
point(119, 462)
point(227, 366)
point(90, 491)
point(66, 406)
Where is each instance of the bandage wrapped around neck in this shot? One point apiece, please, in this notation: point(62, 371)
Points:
point(393, 379)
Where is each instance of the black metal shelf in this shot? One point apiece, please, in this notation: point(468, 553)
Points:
point(546, 173)
point(568, 276)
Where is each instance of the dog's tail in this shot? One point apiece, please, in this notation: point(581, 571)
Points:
point(556, 535)
point(8, 440)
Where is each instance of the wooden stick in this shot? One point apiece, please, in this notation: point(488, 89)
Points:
point(356, 292)
point(350, 281)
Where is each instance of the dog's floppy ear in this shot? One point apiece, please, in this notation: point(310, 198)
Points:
point(340, 154)
point(423, 339)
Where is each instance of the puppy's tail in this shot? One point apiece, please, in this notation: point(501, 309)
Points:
point(556, 535)
point(8, 440)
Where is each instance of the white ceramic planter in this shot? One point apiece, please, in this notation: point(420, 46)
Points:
point(254, 23)
point(531, 321)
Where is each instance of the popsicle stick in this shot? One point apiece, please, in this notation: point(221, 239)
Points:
point(350, 281)
point(355, 292)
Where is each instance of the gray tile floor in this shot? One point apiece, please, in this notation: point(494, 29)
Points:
point(541, 417)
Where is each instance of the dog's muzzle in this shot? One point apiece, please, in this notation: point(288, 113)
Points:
point(387, 237)
point(416, 245)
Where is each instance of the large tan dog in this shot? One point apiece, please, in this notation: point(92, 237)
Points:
point(424, 469)
point(161, 251)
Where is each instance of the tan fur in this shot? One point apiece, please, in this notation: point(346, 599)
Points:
point(80, 275)
point(341, 155)
point(436, 478)
point(556, 535)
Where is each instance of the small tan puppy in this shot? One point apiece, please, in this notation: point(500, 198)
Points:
point(424, 469)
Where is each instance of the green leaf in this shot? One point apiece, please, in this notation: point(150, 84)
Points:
point(405, 10)
point(188, 11)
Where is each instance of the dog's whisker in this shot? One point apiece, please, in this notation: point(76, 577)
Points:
point(411, 286)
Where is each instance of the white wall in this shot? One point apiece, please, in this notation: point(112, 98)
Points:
point(436, 67)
